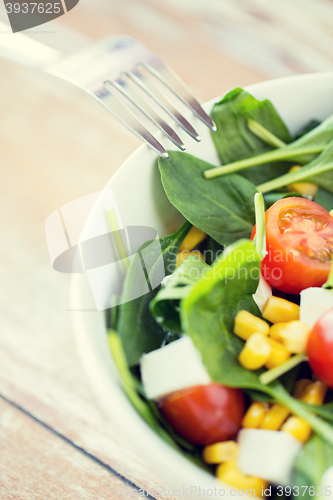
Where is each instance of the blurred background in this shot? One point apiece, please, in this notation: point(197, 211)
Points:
point(57, 145)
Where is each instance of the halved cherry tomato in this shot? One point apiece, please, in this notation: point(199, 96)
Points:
point(299, 237)
point(320, 348)
point(205, 414)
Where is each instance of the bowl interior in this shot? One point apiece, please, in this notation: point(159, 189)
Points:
point(140, 200)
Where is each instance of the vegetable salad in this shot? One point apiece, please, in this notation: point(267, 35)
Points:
point(230, 359)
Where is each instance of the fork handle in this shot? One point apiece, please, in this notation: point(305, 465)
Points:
point(22, 49)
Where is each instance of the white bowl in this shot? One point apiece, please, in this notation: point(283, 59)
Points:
point(141, 201)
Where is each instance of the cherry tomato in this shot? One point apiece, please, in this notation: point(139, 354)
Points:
point(299, 238)
point(320, 348)
point(205, 414)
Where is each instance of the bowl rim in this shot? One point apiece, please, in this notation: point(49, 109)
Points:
point(104, 379)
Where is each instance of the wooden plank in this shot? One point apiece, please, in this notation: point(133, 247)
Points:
point(36, 464)
point(232, 42)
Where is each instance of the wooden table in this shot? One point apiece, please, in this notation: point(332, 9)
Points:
point(56, 145)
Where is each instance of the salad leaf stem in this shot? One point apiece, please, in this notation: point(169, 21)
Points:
point(270, 375)
point(116, 233)
point(277, 154)
point(304, 150)
point(323, 163)
point(260, 243)
point(264, 134)
point(127, 378)
point(322, 428)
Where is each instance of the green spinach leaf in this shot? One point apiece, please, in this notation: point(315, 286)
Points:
point(213, 250)
point(165, 306)
point(274, 196)
point(307, 128)
point(208, 312)
point(324, 198)
point(137, 328)
point(324, 411)
point(311, 463)
point(234, 140)
point(224, 209)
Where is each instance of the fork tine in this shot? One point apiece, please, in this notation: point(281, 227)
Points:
point(182, 92)
point(112, 104)
point(149, 113)
point(139, 93)
point(165, 105)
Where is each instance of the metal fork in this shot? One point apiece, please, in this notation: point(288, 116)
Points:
point(123, 75)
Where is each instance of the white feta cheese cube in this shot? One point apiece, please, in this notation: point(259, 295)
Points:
point(171, 368)
point(264, 291)
point(268, 454)
point(314, 303)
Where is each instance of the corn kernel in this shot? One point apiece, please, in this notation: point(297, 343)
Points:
point(254, 415)
point(295, 168)
point(275, 417)
point(279, 310)
point(185, 253)
point(298, 428)
point(305, 188)
point(279, 354)
point(314, 393)
point(274, 331)
point(295, 336)
point(192, 239)
point(246, 324)
point(331, 213)
point(220, 452)
point(230, 474)
point(256, 352)
point(300, 386)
